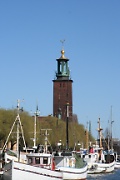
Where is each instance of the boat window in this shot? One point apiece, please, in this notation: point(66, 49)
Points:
point(37, 160)
point(45, 160)
point(30, 161)
point(89, 156)
point(66, 154)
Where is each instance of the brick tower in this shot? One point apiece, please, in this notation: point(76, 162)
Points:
point(62, 89)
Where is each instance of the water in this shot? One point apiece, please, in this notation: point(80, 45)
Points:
point(110, 176)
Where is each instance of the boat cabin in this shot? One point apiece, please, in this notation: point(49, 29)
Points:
point(39, 159)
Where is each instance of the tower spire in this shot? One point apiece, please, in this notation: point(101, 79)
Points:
point(62, 87)
point(62, 67)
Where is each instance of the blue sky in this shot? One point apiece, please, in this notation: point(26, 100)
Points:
point(30, 34)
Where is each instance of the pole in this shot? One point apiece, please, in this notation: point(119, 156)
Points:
point(111, 130)
point(35, 132)
point(35, 123)
point(87, 136)
point(100, 133)
point(67, 119)
point(18, 126)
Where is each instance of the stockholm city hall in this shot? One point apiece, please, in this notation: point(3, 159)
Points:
point(62, 89)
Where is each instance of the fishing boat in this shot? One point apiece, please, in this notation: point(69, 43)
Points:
point(106, 158)
point(71, 165)
point(44, 165)
point(91, 158)
point(41, 164)
point(99, 160)
point(38, 166)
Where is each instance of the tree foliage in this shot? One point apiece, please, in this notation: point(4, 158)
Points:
point(57, 129)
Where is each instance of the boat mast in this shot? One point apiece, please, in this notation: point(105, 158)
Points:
point(108, 137)
point(111, 130)
point(19, 125)
point(46, 139)
point(67, 139)
point(87, 136)
point(35, 118)
point(100, 133)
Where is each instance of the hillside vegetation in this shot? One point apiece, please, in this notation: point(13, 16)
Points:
point(57, 130)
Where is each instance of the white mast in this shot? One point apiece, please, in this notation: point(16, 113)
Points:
point(19, 125)
point(46, 139)
point(35, 118)
point(111, 130)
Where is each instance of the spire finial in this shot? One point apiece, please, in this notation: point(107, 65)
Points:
point(62, 51)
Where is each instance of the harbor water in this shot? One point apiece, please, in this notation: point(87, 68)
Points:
point(110, 176)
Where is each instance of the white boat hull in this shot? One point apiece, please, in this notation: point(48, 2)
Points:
point(21, 171)
point(117, 164)
point(107, 167)
point(96, 170)
point(74, 173)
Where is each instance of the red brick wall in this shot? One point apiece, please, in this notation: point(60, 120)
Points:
point(62, 94)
